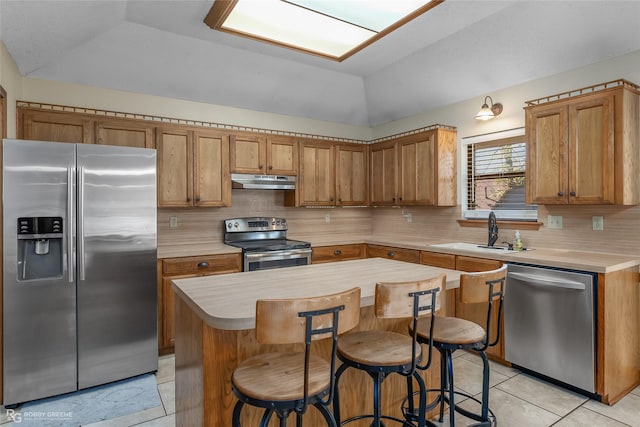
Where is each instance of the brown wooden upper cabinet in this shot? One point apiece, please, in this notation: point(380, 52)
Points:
point(415, 170)
point(193, 168)
point(54, 126)
point(316, 183)
point(584, 149)
point(262, 155)
point(352, 175)
point(125, 133)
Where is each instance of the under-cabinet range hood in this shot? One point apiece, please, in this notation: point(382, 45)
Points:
point(263, 182)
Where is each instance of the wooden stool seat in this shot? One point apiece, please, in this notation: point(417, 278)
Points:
point(451, 330)
point(280, 376)
point(379, 348)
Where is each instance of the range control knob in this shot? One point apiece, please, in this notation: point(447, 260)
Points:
point(229, 225)
point(236, 225)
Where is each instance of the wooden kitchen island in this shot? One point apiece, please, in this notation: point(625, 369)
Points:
point(215, 321)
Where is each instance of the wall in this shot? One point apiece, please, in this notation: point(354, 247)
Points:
point(621, 224)
point(11, 81)
point(205, 225)
point(45, 91)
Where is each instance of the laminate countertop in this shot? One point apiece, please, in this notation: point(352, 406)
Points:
point(596, 262)
point(228, 301)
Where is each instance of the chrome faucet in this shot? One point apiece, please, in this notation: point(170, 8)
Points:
point(493, 229)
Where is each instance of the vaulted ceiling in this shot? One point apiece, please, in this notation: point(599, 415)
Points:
point(458, 50)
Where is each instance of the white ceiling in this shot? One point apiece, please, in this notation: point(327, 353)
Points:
point(458, 50)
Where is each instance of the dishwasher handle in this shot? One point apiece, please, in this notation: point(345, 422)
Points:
point(534, 279)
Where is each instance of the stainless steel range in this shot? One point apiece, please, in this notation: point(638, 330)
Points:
point(264, 243)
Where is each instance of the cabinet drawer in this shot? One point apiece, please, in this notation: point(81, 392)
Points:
point(336, 253)
point(399, 254)
point(438, 260)
point(210, 264)
point(471, 264)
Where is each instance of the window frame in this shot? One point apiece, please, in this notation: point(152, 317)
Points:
point(496, 139)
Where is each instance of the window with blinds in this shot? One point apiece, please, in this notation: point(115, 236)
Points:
point(495, 180)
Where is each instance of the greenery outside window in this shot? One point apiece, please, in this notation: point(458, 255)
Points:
point(495, 177)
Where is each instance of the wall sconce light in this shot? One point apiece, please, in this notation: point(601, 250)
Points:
point(488, 113)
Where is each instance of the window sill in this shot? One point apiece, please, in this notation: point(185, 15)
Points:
point(515, 225)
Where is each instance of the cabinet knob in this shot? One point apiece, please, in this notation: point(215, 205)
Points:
point(188, 199)
point(391, 254)
point(393, 199)
point(560, 193)
point(270, 167)
point(331, 199)
point(203, 264)
point(337, 252)
point(197, 199)
point(572, 194)
point(261, 167)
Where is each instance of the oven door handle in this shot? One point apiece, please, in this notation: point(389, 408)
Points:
point(294, 253)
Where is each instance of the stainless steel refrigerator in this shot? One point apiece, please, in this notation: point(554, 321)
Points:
point(79, 266)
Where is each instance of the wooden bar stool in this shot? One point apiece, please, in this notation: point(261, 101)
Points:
point(451, 334)
point(285, 382)
point(380, 353)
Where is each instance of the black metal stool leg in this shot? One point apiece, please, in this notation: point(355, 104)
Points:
point(452, 405)
point(236, 414)
point(485, 387)
point(266, 417)
point(443, 381)
point(336, 394)
point(377, 382)
point(326, 413)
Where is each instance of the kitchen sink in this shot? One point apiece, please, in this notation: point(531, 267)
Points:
point(473, 247)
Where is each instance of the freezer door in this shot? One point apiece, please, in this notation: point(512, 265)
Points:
point(117, 302)
point(39, 308)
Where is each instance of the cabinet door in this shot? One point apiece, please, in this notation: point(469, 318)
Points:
point(317, 182)
point(591, 151)
point(382, 172)
point(478, 312)
point(124, 133)
point(336, 253)
point(351, 175)
point(282, 156)
point(55, 127)
point(175, 163)
point(168, 336)
point(417, 172)
point(248, 154)
point(211, 180)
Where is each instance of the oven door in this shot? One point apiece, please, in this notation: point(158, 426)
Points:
point(264, 260)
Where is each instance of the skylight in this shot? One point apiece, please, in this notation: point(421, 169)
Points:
point(334, 29)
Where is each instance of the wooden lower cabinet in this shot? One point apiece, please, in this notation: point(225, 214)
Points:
point(478, 312)
point(444, 261)
point(181, 268)
point(390, 252)
point(333, 253)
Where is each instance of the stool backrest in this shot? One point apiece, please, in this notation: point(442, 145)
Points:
point(393, 299)
point(278, 321)
point(476, 287)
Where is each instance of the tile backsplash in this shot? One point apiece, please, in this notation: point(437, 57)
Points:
point(621, 232)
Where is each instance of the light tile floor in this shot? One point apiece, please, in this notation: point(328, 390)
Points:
point(517, 399)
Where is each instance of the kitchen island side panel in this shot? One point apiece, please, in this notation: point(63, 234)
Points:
point(618, 347)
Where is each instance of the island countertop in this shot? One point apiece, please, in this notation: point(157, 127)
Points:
point(228, 301)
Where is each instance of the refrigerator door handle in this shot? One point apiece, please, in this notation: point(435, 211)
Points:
point(81, 263)
point(70, 266)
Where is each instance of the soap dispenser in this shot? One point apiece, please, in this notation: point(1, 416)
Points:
point(517, 242)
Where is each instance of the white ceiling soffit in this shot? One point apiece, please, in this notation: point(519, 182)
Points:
point(457, 50)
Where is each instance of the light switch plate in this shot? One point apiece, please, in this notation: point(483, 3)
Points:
point(597, 223)
point(554, 221)
point(173, 222)
point(327, 217)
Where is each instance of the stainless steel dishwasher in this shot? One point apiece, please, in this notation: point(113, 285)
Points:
point(550, 324)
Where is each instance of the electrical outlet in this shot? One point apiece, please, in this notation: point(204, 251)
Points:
point(554, 221)
point(597, 223)
point(408, 216)
point(327, 217)
point(173, 222)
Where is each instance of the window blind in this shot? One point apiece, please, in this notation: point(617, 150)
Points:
point(496, 180)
